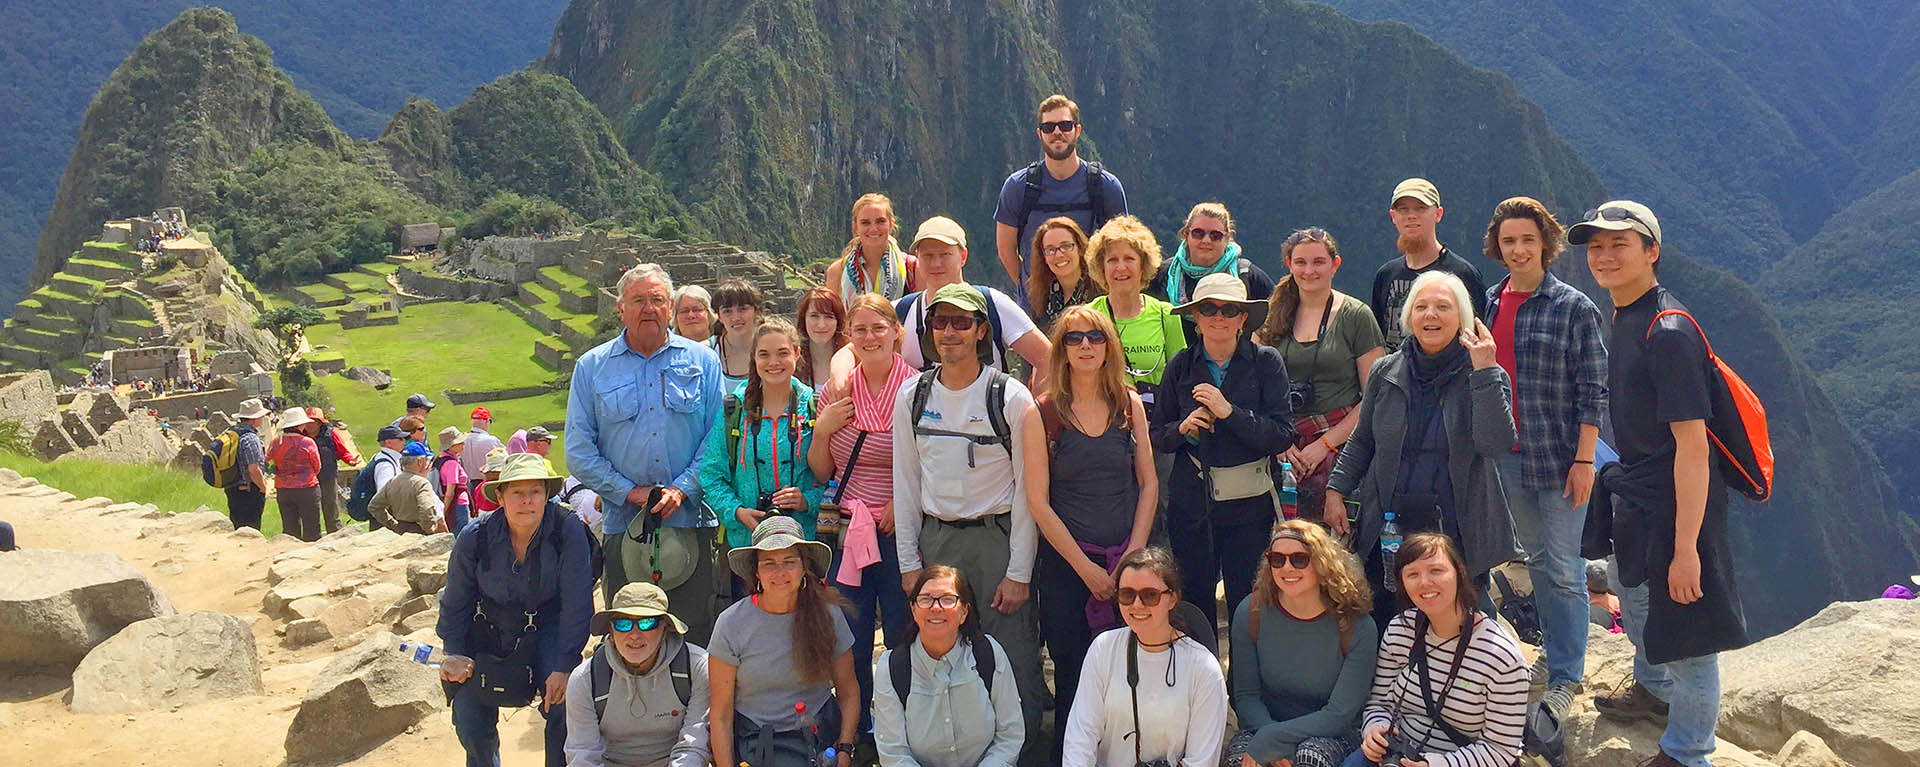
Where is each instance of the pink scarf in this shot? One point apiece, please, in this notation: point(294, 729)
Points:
point(874, 411)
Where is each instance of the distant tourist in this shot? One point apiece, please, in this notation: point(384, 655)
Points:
point(1681, 609)
point(637, 421)
point(540, 443)
point(407, 504)
point(247, 498)
point(489, 471)
point(479, 443)
point(871, 262)
point(1415, 209)
point(693, 313)
point(520, 578)
point(1207, 246)
point(417, 404)
point(333, 450)
point(450, 481)
point(385, 464)
point(296, 475)
point(740, 306)
point(1060, 184)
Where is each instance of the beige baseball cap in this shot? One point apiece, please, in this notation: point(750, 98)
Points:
point(1419, 189)
point(1616, 216)
point(943, 229)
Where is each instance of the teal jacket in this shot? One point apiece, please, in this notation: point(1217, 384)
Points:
point(732, 479)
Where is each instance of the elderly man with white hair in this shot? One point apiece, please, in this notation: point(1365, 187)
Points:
point(637, 419)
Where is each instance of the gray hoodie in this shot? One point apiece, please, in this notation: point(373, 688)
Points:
point(645, 725)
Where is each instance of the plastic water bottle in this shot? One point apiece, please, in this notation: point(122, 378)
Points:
point(811, 726)
point(1289, 492)
point(1389, 550)
point(433, 658)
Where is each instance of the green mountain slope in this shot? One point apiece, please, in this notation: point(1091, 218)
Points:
point(767, 118)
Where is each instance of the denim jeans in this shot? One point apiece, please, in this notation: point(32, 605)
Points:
point(478, 727)
point(1549, 526)
point(1690, 686)
point(877, 600)
point(457, 518)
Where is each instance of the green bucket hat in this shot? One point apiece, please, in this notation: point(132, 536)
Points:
point(519, 467)
point(637, 600)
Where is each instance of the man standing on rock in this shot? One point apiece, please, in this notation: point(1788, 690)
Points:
point(637, 419)
point(1672, 556)
point(473, 459)
point(1415, 210)
point(247, 499)
point(1059, 185)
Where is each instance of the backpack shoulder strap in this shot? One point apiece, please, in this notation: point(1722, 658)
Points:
point(922, 389)
point(900, 668)
point(730, 415)
point(984, 662)
point(997, 409)
point(1682, 313)
point(681, 671)
point(1097, 193)
point(601, 672)
point(993, 325)
point(1049, 420)
point(902, 307)
point(1031, 198)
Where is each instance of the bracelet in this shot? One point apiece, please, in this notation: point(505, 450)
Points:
point(1328, 445)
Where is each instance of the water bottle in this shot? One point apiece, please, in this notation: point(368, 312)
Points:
point(434, 658)
point(811, 726)
point(1389, 549)
point(1289, 492)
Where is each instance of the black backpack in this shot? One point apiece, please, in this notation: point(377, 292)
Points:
point(596, 555)
point(600, 669)
point(904, 307)
point(996, 410)
point(1096, 203)
point(1519, 611)
point(900, 667)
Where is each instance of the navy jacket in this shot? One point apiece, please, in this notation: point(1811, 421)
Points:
point(1261, 426)
point(481, 566)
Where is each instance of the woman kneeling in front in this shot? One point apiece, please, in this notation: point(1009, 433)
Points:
point(932, 703)
point(1445, 656)
point(1149, 694)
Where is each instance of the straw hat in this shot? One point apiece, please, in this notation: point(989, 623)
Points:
point(636, 600)
point(776, 534)
point(520, 467)
point(1226, 289)
point(294, 417)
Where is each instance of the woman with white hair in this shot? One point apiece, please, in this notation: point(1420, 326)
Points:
point(693, 313)
point(1438, 417)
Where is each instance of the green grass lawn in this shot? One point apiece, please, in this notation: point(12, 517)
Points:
point(321, 292)
point(379, 267)
point(358, 282)
point(170, 490)
point(565, 279)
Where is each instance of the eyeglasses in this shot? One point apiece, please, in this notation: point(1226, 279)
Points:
point(1228, 311)
point(960, 322)
point(1069, 247)
point(1616, 213)
point(624, 625)
point(1078, 337)
point(1299, 559)
point(1148, 597)
point(650, 302)
point(944, 601)
point(1206, 234)
point(862, 331)
point(1062, 126)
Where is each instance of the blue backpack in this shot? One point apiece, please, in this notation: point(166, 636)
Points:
point(360, 494)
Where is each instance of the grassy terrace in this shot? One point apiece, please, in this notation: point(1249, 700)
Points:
point(171, 490)
point(378, 267)
point(358, 282)
point(565, 279)
point(322, 293)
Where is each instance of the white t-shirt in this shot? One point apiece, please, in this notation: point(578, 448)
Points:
point(954, 478)
point(1014, 323)
point(583, 502)
point(1184, 722)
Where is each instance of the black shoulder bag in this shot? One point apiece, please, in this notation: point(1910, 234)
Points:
point(503, 673)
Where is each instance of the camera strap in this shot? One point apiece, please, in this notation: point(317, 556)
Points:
point(846, 474)
point(1436, 708)
point(1133, 689)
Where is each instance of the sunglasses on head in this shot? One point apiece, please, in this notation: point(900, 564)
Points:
point(960, 322)
point(1228, 311)
point(1061, 126)
point(1207, 234)
point(1299, 559)
point(624, 625)
point(1148, 597)
point(1614, 213)
point(1077, 337)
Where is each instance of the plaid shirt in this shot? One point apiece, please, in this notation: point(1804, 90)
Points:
point(1560, 362)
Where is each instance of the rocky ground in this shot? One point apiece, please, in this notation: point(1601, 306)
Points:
point(131, 636)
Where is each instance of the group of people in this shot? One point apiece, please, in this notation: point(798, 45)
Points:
point(771, 492)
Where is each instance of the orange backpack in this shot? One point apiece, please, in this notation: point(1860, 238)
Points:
point(1738, 427)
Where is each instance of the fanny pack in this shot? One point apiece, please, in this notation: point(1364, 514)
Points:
point(1232, 483)
point(758, 745)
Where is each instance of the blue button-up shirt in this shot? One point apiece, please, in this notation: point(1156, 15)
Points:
point(641, 419)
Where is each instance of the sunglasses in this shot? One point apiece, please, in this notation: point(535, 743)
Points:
point(624, 625)
point(1148, 597)
point(1077, 337)
point(1207, 234)
point(1062, 126)
point(944, 601)
point(1299, 559)
point(1228, 311)
point(961, 323)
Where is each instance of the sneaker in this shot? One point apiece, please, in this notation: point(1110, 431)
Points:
point(1632, 704)
point(1559, 699)
point(1660, 759)
point(1537, 677)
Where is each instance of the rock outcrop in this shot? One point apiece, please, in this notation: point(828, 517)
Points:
point(169, 661)
point(1849, 675)
point(366, 695)
point(55, 606)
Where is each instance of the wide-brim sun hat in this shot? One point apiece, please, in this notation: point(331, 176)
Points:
point(636, 600)
point(451, 436)
point(778, 533)
point(251, 408)
point(496, 458)
point(294, 417)
point(1226, 289)
point(519, 468)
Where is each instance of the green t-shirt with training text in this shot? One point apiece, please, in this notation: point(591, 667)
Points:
point(1149, 338)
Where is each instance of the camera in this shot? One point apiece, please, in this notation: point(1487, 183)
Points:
point(1300, 394)
point(1399, 747)
point(765, 503)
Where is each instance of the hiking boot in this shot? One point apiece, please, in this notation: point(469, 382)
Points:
point(1635, 703)
point(1660, 759)
point(1559, 699)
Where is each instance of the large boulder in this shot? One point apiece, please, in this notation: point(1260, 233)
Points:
point(368, 694)
point(427, 577)
point(55, 606)
point(375, 378)
point(169, 661)
point(1596, 741)
point(1840, 675)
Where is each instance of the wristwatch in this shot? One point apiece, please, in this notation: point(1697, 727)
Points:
point(843, 748)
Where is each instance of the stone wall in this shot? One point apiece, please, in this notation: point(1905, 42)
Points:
point(513, 259)
point(424, 283)
point(231, 362)
point(27, 397)
point(458, 397)
point(175, 405)
point(136, 439)
point(165, 362)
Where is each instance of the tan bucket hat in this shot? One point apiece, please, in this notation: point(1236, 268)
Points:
point(636, 600)
point(776, 534)
point(520, 467)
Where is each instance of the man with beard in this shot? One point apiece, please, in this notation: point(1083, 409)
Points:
point(1416, 214)
point(1061, 185)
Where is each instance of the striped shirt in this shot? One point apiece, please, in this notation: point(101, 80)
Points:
point(872, 478)
point(1488, 703)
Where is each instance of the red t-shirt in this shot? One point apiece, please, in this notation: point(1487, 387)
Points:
point(1510, 301)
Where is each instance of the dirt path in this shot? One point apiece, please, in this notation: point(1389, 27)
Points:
point(198, 570)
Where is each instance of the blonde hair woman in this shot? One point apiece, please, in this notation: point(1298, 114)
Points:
point(871, 262)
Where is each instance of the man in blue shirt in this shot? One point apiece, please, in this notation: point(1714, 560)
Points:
point(637, 418)
point(1057, 186)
